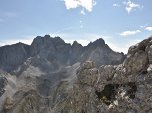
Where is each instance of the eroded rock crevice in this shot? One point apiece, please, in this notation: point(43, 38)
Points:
point(111, 91)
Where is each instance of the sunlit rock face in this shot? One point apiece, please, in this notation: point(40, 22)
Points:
point(50, 76)
point(124, 88)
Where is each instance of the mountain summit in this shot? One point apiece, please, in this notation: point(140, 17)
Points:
point(37, 78)
point(57, 52)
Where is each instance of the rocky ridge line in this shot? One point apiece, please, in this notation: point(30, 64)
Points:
point(124, 88)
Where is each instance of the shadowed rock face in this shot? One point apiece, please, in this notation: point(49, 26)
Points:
point(124, 88)
point(12, 56)
point(57, 53)
point(45, 73)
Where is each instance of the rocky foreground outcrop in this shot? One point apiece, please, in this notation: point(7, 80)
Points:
point(124, 88)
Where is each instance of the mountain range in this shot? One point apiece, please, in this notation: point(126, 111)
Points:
point(51, 76)
point(57, 53)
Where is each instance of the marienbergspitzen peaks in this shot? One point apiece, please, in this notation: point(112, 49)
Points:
point(51, 76)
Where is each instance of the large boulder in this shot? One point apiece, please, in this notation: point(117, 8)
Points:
point(88, 73)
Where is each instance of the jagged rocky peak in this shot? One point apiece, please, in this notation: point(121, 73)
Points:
point(75, 43)
point(57, 52)
point(76, 46)
point(99, 42)
point(40, 41)
point(47, 39)
point(46, 43)
point(13, 55)
point(58, 41)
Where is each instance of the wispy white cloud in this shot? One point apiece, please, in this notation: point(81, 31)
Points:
point(148, 28)
point(82, 12)
point(130, 6)
point(116, 5)
point(86, 4)
point(143, 26)
point(81, 24)
point(128, 33)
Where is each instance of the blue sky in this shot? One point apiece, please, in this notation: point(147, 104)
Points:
point(120, 23)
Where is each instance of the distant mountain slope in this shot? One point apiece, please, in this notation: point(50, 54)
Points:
point(57, 53)
point(12, 56)
point(40, 74)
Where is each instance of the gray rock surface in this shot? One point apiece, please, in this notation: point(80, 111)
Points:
point(124, 88)
point(3, 83)
point(43, 77)
point(11, 56)
point(56, 53)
